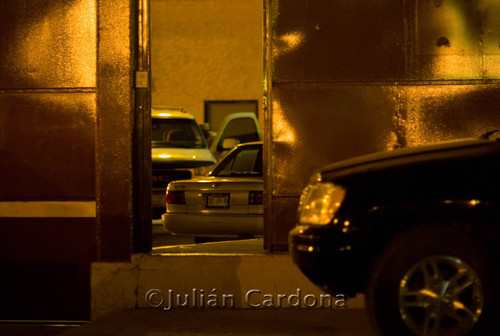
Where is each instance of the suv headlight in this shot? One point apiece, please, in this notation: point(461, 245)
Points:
point(319, 203)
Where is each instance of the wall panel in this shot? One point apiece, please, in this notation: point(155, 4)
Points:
point(347, 78)
point(66, 128)
point(48, 44)
point(47, 146)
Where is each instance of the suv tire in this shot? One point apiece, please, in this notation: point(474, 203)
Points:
point(433, 281)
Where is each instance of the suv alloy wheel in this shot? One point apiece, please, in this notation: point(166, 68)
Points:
point(433, 281)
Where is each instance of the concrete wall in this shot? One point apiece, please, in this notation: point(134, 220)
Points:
point(66, 126)
point(260, 281)
point(206, 50)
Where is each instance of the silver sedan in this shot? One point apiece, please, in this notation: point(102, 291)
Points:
point(226, 203)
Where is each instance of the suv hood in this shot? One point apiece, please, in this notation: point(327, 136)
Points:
point(408, 157)
point(182, 157)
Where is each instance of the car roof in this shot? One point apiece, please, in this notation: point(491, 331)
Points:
point(170, 113)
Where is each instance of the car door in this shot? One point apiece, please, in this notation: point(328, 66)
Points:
point(240, 127)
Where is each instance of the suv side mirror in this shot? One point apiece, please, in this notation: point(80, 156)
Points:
point(205, 127)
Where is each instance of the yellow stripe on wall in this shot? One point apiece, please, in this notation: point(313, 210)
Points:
point(48, 209)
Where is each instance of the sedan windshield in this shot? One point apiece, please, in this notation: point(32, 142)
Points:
point(183, 133)
point(245, 161)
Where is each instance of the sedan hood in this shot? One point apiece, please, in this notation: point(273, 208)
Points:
point(407, 157)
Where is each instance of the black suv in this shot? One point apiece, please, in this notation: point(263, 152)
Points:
point(416, 230)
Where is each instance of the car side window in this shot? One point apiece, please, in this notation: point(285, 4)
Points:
point(246, 162)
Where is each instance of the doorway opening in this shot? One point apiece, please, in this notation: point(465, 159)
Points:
point(207, 61)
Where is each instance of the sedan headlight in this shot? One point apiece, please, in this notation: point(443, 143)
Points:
point(319, 203)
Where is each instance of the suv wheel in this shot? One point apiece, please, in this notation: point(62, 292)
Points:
point(432, 281)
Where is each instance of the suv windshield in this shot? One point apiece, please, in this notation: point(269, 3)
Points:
point(245, 161)
point(183, 133)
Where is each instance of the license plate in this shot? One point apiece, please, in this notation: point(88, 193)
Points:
point(218, 201)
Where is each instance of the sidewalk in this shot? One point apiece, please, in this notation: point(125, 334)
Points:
point(229, 247)
point(122, 301)
point(237, 273)
point(195, 322)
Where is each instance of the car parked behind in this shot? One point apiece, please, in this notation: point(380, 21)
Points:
point(178, 151)
point(416, 230)
point(236, 128)
point(226, 203)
